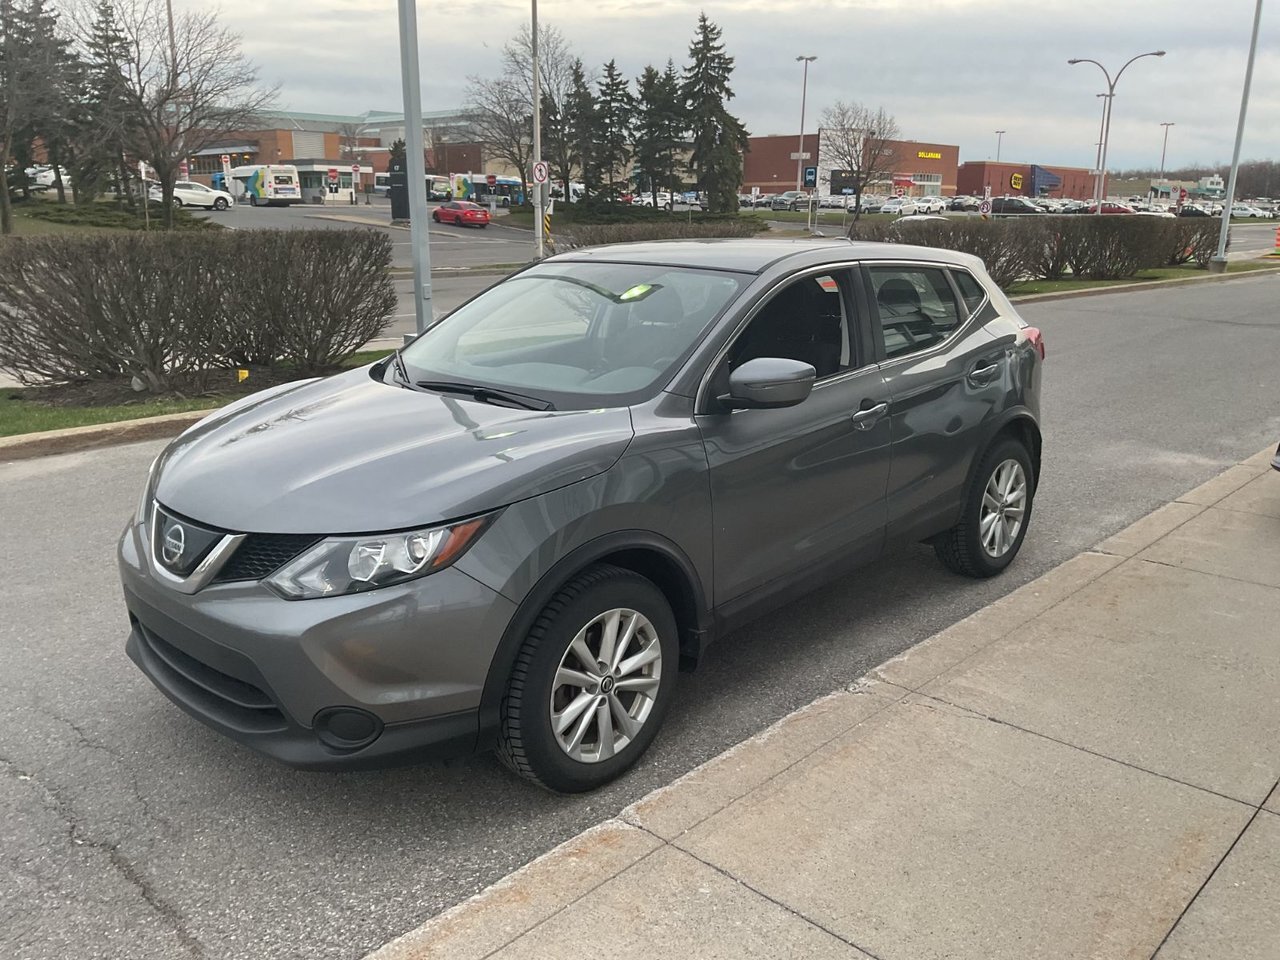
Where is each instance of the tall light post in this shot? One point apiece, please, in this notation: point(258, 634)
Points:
point(999, 141)
point(416, 164)
point(538, 239)
point(804, 91)
point(1219, 262)
point(1165, 149)
point(1097, 161)
point(1106, 122)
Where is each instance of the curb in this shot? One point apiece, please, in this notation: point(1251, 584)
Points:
point(24, 446)
point(502, 913)
point(1144, 285)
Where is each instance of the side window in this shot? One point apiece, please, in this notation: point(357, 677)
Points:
point(917, 308)
point(970, 290)
point(806, 320)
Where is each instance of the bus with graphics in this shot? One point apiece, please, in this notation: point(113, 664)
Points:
point(267, 184)
point(505, 192)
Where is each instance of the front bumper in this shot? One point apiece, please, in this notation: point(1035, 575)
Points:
point(401, 668)
point(1275, 461)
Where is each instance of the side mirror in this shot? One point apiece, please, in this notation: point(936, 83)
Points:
point(769, 382)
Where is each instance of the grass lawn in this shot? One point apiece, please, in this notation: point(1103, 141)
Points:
point(23, 411)
point(1031, 287)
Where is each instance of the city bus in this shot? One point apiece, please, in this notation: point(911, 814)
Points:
point(506, 191)
point(267, 184)
point(438, 188)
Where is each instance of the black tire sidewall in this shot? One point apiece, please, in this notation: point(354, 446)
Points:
point(551, 765)
point(1002, 451)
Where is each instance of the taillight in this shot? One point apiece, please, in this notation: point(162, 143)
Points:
point(1036, 338)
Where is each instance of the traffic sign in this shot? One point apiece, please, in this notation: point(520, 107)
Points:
point(984, 208)
point(491, 180)
point(900, 192)
point(801, 156)
point(184, 170)
point(810, 176)
point(333, 174)
point(541, 172)
point(355, 168)
point(225, 158)
point(847, 191)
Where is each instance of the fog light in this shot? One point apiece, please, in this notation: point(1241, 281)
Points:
point(346, 728)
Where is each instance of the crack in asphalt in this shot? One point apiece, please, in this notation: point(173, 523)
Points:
point(79, 835)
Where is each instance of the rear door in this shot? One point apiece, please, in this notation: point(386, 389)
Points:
point(946, 377)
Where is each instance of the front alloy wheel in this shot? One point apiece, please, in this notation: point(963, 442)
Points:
point(1004, 503)
point(592, 682)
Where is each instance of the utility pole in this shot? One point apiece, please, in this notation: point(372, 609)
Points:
point(415, 162)
point(999, 141)
point(1165, 149)
point(1219, 262)
point(538, 239)
point(804, 91)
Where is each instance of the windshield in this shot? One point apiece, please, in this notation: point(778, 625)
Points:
point(577, 335)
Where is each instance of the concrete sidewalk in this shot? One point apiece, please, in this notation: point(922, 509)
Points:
point(1085, 769)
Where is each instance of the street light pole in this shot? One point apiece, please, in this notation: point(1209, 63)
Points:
point(999, 141)
point(1106, 117)
point(538, 238)
point(415, 162)
point(1097, 162)
point(1165, 149)
point(1219, 262)
point(804, 92)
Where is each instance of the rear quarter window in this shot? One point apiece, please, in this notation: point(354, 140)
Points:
point(971, 291)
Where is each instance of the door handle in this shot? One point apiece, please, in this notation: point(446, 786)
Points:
point(981, 376)
point(866, 419)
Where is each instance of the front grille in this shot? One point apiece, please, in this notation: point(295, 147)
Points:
point(260, 554)
point(231, 701)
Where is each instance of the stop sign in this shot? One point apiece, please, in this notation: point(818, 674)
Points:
point(491, 180)
point(225, 159)
point(355, 168)
point(333, 174)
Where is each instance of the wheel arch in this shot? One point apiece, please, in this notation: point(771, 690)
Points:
point(653, 557)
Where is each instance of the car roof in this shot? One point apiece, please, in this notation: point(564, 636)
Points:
point(757, 256)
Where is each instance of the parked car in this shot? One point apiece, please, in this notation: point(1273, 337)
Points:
point(790, 200)
point(1193, 210)
point(189, 193)
point(965, 204)
point(461, 213)
point(1014, 207)
point(902, 206)
point(931, 205)
point(744, 200)
point(1243, 210)
point(1109, 208)
point(871, 203)
point(764, 200)
point(511, 532)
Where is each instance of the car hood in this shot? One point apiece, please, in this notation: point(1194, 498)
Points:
point(350, 454)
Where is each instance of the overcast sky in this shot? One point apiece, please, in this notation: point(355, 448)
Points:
point(951, 71)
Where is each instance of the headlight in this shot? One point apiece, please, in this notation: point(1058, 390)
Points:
point(144, 504)
point(341, 565)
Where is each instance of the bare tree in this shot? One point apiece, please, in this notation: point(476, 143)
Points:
point(187, 85)
point(500, 116)
point(857, 139)
point(349, 140)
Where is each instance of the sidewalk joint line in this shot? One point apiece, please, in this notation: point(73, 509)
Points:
point(1208, 573)
point(1092, 753)
point(778, 903)
point(1216, 866)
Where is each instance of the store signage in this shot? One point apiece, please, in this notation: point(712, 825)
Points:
point(1015, 181)
point(929, 155)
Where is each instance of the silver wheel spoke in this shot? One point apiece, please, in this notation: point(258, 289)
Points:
point(629, 634)
point(580, 650)
point(564, 720)
point(609, 636)
point(584, 724)
point(990, 501)
point(625, 723)
point(604, 724)
point(566, 677)
point(642, 659)
point(646, 685)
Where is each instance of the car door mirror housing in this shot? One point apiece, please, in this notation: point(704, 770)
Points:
point(768, 383)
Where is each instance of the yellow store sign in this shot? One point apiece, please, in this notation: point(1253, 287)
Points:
point(929, 155)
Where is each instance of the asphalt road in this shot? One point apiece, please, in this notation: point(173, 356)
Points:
point(128, 830)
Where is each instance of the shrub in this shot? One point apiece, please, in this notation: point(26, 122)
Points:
point(106, 215)
point(167, 309)
point(999, 244)
point(593, 235)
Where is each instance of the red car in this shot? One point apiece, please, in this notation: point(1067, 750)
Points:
point(461, 213)
point(1108, 207)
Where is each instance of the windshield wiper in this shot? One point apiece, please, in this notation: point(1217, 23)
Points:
point(487, 394)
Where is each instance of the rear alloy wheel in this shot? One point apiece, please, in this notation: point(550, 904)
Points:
point(220, 203)
point(177, 201)
point(592, 683)
point(996, 514)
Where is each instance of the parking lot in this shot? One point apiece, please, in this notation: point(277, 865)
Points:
point(131, 830)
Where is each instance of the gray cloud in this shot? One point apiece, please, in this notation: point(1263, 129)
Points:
point(952, 71)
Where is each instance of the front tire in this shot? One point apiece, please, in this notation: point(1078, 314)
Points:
point(592, 683)
point(177, 201)
point(996, 514)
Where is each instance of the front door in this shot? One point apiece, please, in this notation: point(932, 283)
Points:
point(797, 489)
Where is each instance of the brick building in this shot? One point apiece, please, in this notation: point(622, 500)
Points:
point(1025, 179)
point(917, 167)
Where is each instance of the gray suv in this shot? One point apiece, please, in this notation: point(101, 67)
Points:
point(513, 532)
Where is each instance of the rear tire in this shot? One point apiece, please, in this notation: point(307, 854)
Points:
point(974, 547)
point(177, 201)
point(610, 712)
point(220, 203)
point(253, 200)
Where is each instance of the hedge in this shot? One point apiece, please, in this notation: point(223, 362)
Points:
point(592, 235)
point(166, 309)
point(1047, 248)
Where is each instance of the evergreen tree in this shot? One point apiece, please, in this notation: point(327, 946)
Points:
point(581, 127)
point(719, 138)
point(104, 117)
point(659, 128)
point(614, 113)
point(396, 154)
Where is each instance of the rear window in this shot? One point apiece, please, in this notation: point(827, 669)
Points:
point(970, 290)
point(282, 180)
